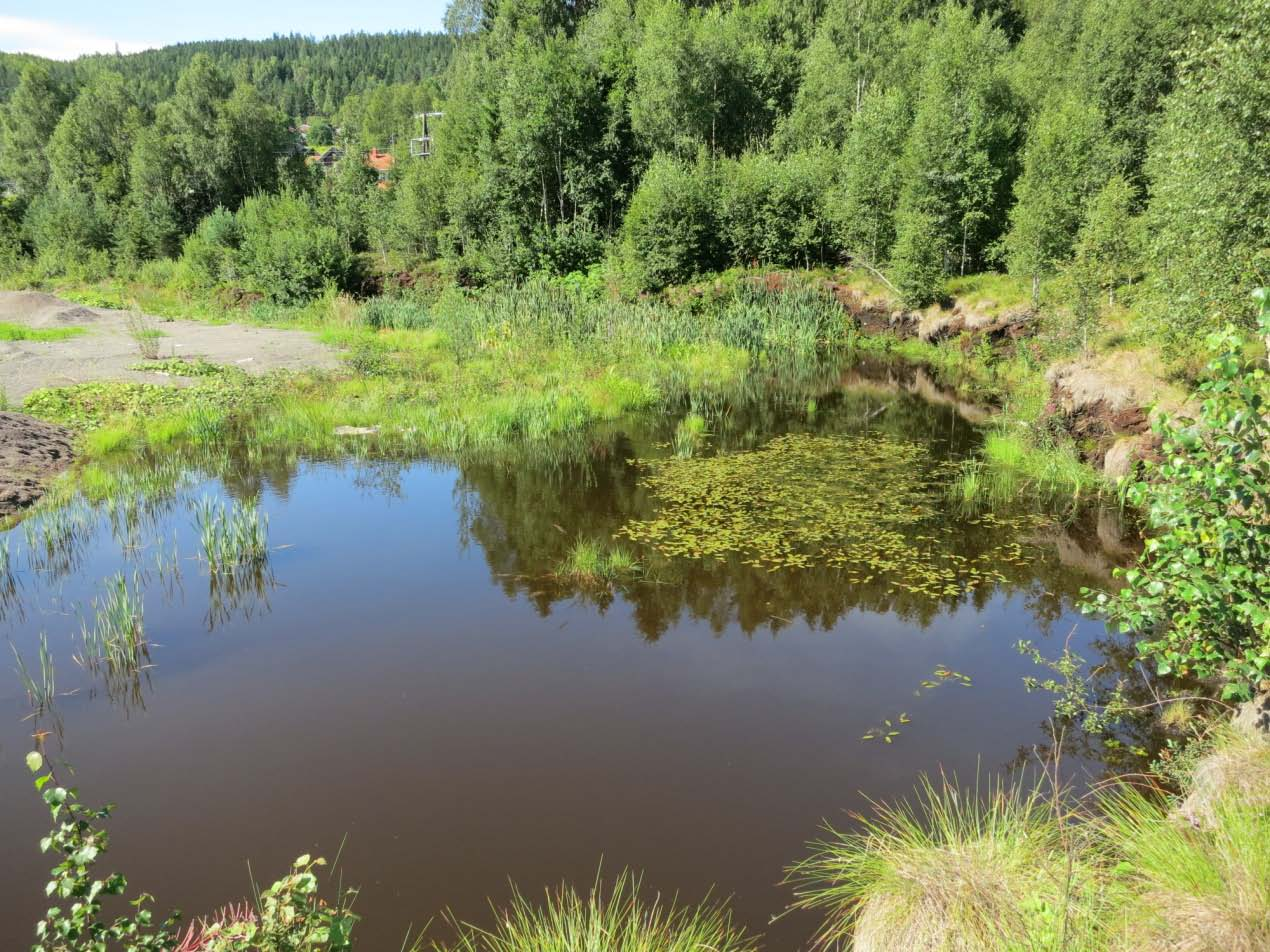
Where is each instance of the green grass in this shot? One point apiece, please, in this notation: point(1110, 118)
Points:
point(1014, 465)
point(1017, 868)
point(16, 332)
point(589, 562)
point(231, 535)
point(618, 919)
point(991, 292)
point(955, 869)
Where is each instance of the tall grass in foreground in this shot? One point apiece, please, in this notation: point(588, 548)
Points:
point(1200, 883)
point(619, 920)
point(953, 870)
point(1020, 871)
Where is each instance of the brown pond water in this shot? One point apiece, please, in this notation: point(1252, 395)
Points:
point(412, 681)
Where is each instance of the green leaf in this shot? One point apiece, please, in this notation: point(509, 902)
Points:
point(34, 761)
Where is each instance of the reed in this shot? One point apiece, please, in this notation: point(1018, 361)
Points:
point(42, 689)
point(231, 535)
point(116, 640)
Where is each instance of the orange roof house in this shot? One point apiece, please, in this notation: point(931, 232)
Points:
point(382, 163)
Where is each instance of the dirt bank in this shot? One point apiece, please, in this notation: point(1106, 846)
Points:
point(106, 351)
point(31, 454)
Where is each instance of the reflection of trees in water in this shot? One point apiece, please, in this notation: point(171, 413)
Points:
point(526, 518)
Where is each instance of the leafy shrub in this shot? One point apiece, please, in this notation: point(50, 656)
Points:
point(671, 230)
point(917, 263)
point(772, 209)
point(287, 252)
point(65, 224)
point(572, 246)
point(210, 254)
point(289, 916)
point(275, 244)
point(1199, 596)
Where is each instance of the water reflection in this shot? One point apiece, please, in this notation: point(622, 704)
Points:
point(412, 613)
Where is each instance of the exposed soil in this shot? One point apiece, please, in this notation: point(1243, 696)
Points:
point(106, 351)
point(31, 454)
point(1103, 402)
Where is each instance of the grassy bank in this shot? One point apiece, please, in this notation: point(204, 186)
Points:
point(1019, 867)
point(451, 370)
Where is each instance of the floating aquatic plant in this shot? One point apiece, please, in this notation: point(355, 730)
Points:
point(870, 505)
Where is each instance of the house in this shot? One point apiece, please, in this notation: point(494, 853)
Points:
point(325, 158)
point(382, 163)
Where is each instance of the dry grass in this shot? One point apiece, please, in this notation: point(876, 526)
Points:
point(954, 872)
point(1014, 871)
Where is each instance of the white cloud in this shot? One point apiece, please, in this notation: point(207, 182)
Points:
point(57, 40)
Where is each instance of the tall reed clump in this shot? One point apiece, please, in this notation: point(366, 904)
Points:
point(144, 333)
point(619, 920)
point(116, 640)
point(590, 563)
point(41, 687)
point(231, 535)
point(690, 435)
point(952, 871)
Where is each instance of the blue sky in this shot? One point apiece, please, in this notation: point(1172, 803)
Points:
point(69, 28)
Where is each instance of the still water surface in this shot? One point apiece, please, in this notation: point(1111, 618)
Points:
point(414, 684)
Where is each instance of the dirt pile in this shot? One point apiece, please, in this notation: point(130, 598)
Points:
point(31, 454)
point(1106, 403)
point(38, 310)
point(937, 324)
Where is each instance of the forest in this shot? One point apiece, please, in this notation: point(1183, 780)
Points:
point(1119, 145)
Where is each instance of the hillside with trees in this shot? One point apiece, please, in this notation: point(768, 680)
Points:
point(1119, 145)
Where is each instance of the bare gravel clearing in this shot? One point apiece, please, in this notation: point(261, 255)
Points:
point(107, 352)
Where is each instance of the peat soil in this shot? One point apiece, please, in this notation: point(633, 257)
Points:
point(32, 452)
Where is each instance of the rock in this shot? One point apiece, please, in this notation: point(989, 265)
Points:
point(356, 430)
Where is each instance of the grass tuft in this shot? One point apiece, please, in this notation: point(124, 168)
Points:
point(590, 563)
point(616, 920)
point(953, 870)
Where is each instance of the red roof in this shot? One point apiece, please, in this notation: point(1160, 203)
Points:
point(379, 161)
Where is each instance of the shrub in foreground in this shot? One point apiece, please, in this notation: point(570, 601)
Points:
point(1199, 597)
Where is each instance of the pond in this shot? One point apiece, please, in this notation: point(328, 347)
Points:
point(414, 682)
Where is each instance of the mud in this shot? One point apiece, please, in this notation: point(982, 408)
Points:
point(32, 453)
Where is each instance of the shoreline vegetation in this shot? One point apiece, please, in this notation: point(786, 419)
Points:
point(1055, 209)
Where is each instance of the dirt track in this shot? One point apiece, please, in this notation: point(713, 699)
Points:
point(106, 351)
